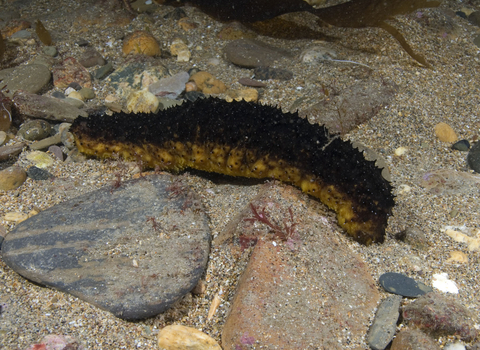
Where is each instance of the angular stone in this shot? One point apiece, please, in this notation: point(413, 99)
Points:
point(384, 325)
point(439, 315)
point(400, 284)
point(30, 78)
point(413, 339)
point(250, 53)
point(299, 289)
point(177, 337)
point(10, 151)
point(133, 248)
point(70, 71)
point(36, 106)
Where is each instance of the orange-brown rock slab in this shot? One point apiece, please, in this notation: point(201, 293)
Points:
point(308, 292)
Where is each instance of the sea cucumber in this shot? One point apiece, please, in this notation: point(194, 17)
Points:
point(250, 140)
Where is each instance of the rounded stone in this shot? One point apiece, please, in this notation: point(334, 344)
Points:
point(36, 173)
point(207, 83)
point(12, 178)
point(445, 132)
point(473, 157)
point(462, 145)
point(400, 284)
point(141, 42)
point(87, 93)
point(177, 337)
point(34, 130)
point(142, 101)
point(30, 78)
point(40, 159)
point(50, 51)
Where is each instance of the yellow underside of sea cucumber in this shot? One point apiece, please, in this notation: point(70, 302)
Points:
point(177, 156)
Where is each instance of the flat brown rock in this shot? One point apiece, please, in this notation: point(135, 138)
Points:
point(310, 291)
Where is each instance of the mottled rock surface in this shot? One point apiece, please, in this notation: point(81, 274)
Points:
point(132, 249)
point(303, 290)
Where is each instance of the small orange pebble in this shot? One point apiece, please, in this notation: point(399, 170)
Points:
point(187, 24)
point(141, 42)
point(191, 86)
point(207, 83)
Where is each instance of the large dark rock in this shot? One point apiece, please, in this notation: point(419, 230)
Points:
point(132, 249)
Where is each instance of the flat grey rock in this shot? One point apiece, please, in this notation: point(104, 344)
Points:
point(384, 325)
point(44, 107)
point(31, 78)
point(132, 249)
point(251, 53)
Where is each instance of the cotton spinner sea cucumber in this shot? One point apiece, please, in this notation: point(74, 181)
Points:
point(250, 140)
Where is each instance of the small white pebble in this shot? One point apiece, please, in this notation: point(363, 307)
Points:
point(441, 282)
point(400, 151)
point(454, 346)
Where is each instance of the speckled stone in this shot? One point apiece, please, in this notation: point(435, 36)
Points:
point(384, 325)
point(12, 178)
point(413, 339)
point(473, 157)
point(30, 78)
point(38, 174)
point(462, 145)
point(400, 284)
point(250, 53)
point(35, 130)
point(132, 248)
point(178, 337)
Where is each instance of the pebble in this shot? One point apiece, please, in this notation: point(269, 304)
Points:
point(384, 325)
point(75, 94)
point(251, 82)
point(457, 256)
point(235, 31)
point(15, 216)
point(474, 18)
point(50, 51)
point(249, 53)
point(91, 58)
point(454, 346)
point(29, 78)
point(462, 145)
point(445, 132)
point(177, 337)
point(142, 101)
point(400, 151)
point(266, 73)
point(5, 113)
point(69, 71)
point(438, 314)
point(103, 71)
point(34, 130)
point(57, 342)
point(413, 339)
point(45, 107)
point(180, 49)
point(3, 137)
point(473, 157)
point(46, 142)
point(40, 159)
point(57, 152)
point(12, 178)
point(141, 42)
point(415, 237)
point(134, 75)
point(400, 284)
point(21, 35)
point(7, 152)
point(441, 282)
point(207, 83)
point(171, 86)
point(87, 93)
point(132, 248)
point(74, 102)
point(38, 174)
point(187, 24)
